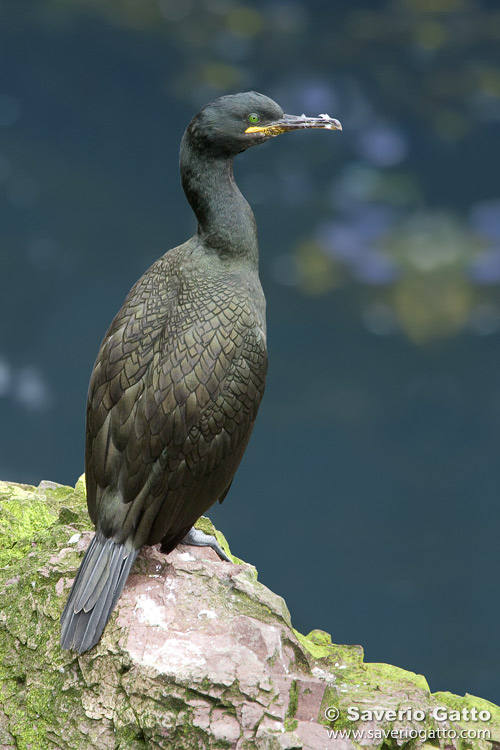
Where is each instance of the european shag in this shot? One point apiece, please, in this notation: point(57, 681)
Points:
point(180, 374)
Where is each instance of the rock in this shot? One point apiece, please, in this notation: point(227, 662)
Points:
point(198, 654)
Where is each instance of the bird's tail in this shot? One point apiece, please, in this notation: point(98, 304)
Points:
point(95, 591)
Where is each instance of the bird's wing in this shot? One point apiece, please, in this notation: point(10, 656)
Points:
point(170, 411)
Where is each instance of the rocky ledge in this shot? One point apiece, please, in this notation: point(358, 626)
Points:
point(199, 654)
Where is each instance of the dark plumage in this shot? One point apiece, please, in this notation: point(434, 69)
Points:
point(180, 374)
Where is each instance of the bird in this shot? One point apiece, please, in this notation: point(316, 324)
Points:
point(180, 373)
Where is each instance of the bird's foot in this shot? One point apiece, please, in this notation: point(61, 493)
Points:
point(198, 538)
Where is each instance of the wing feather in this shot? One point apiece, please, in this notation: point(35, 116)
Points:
point(172, 401)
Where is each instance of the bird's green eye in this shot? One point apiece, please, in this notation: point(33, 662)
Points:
point(253, 118)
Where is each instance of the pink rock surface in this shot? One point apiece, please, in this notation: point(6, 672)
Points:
point(210, 628)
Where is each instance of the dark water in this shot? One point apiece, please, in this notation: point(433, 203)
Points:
point(369, 495)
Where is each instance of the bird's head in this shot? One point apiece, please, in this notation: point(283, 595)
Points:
point(233, 123)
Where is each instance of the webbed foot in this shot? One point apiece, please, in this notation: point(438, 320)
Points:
point(198, 538)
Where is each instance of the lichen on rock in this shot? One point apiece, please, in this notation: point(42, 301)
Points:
point(198, 654)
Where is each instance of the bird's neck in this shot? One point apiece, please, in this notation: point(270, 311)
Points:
point(226, 224)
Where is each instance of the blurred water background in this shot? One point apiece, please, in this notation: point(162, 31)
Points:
point(369, 495)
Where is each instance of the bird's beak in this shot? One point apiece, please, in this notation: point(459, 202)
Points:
point(294, 122)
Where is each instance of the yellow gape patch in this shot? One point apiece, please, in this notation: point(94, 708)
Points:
point(266, 129)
